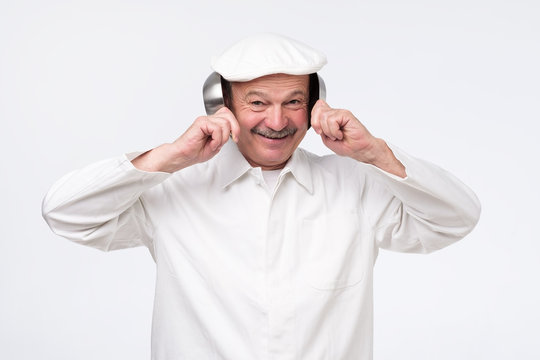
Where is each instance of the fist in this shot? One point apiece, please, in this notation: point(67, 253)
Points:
point(201, 141)
point(205, 137)
point(342, 132)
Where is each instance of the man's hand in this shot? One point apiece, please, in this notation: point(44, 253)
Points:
point(201, 141)
point(345, 135)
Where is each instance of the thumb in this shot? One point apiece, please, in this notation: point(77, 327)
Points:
point(316, 114)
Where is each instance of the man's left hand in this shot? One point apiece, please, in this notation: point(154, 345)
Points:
point(345, 135)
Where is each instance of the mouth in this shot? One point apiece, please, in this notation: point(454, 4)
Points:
point(272, 134)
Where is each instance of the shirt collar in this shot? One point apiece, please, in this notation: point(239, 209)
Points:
point(232, 165)
point(299, 166)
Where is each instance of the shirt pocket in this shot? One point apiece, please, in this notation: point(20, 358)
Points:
point(331, 252)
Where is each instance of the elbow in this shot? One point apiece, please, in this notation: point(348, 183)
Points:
point(464, 224)
point(436, 236)
point(69, 226)
point(47, 212)
point(471, 215)
point(54, 217)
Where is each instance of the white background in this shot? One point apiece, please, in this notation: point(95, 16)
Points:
point(455, 82)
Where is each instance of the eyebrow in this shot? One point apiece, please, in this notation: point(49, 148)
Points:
point(262, 94)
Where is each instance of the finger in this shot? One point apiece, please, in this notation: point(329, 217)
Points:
point(320, 104)
point(335, 123)
point(217, 133)
point(220, 125)
point(235, 126)
point(325, 126)
point(329, 143)
point(316, 114)
point(213, 141)
point(223, 130)
point(234, 130)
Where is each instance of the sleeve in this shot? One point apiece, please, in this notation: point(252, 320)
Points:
point(100, 205)
point(424, 212)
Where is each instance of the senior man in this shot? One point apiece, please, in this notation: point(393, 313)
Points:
point(264, 250)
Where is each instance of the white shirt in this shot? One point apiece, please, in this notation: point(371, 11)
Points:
point(248, 274)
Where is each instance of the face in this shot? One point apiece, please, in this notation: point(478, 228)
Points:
point(272, 113)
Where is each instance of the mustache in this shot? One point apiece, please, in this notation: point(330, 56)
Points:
point(273, 134)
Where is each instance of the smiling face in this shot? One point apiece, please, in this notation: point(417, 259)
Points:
point(272, 112)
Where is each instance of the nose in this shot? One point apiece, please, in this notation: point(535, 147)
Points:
point(276, 119)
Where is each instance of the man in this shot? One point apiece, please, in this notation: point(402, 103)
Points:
point(264, 250)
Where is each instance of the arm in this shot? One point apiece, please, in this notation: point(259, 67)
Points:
point(101, 205)
point(414, 206)
point(199, 143)
point(424, 212)
point(342, 133)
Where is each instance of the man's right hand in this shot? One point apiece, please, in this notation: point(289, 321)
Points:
point(201, 141)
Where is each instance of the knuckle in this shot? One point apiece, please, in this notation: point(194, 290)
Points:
point(201, 119)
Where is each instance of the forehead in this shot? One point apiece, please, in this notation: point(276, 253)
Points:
point(275, 83)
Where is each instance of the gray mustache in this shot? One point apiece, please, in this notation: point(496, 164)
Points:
point(272, 134)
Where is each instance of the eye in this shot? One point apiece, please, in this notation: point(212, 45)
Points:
point(295, 103)
point(257, 105)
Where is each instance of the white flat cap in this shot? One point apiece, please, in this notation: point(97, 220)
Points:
point(265, 54)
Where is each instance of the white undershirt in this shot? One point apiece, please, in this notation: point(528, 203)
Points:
point(271, 178)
